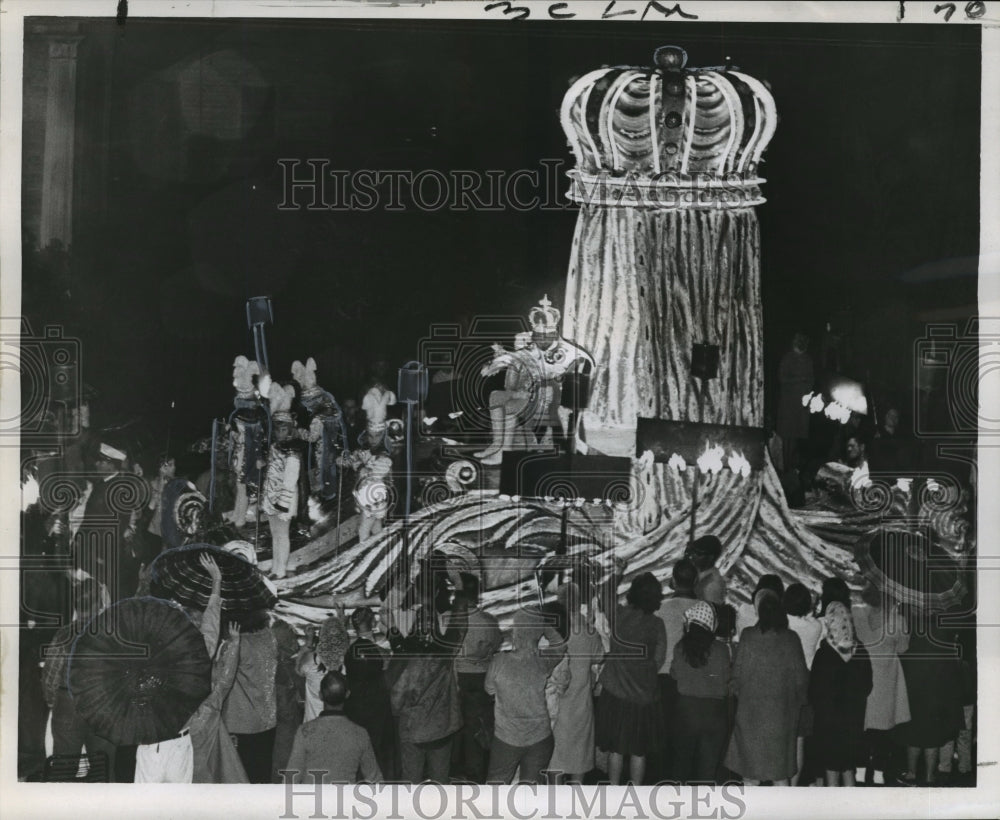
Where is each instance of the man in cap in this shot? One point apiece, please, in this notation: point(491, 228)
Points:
point(107, 507)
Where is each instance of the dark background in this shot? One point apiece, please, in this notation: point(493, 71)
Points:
point(872, 219)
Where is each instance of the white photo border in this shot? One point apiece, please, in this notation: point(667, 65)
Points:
point(25, 800)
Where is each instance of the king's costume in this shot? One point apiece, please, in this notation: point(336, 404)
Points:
point(532, 394)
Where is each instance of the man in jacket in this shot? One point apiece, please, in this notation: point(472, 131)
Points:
point(424, 695)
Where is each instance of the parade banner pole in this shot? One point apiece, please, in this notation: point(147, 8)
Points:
point(340, 495)
point(211, 481)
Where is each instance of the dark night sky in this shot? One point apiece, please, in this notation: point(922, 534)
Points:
point(873, 171)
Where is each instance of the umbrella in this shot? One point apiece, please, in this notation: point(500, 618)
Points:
point(907, 566)
point(139, 671)
point(177, 573)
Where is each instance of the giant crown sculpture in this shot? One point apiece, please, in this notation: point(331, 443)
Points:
point(668, 136)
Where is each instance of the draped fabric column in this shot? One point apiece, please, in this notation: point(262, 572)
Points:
point(666, 254)
point(643, 285)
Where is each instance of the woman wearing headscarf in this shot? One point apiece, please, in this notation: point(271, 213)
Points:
point(834, 589)
point(771, 682)
point(702, 669)
point(839, 683)
point(630, 720)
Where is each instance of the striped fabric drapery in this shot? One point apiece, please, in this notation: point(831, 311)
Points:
point(645, 284)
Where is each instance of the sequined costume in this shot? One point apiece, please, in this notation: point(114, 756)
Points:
point(326, 437)
point(248, 434)
point(281, 482)
point(372, 491)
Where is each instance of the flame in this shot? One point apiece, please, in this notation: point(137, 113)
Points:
point(806, 399)
point(838, 412)
point(677, 462)
point(710, 461)
point(739, 464)
point(816, 403)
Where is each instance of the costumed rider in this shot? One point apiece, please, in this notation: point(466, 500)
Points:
point(536, 370)
point(279, 497)
point(326, 433)
point(248, 426)
point(376, 405)
point(373, 491)
point(182, 513)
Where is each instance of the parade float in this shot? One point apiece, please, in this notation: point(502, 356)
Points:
point(663, 279)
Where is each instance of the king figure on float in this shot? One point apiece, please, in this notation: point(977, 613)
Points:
point(532, 396)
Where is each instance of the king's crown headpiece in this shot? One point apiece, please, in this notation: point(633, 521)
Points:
point(544, 317)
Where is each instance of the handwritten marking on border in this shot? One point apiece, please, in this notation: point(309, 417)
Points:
point(564, 10)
